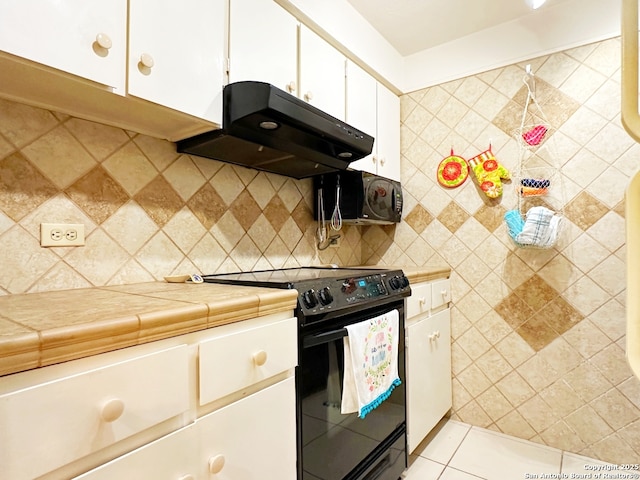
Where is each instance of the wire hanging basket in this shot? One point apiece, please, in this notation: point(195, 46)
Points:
point(536, 221)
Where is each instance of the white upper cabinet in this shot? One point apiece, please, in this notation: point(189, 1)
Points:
point(176, 54)
point(362, 111)
point(322, 74)
point(388, 139)
point(263, 44)
point(72, 56)
point(374, 109)
point(87, 39)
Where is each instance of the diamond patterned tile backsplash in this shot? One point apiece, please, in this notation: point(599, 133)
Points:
point(148, 211)
point(538, 335)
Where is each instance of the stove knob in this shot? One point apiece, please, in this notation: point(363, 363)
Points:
point(325, 296)
point(398, 282)
point(309, 298)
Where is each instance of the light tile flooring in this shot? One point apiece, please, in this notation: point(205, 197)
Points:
point(457, 451)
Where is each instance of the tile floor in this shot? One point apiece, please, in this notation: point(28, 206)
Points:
point(457, 451)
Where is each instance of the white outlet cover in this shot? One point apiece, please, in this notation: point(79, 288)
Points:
point(70, 234)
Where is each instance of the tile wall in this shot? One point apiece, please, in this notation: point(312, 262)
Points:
point(148, 211)
point(538, 348)
point(538, 335)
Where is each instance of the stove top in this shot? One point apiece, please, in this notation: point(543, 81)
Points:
point(286, 277)
point(326, 290)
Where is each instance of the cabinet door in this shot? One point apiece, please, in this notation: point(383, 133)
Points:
point(63, 35)
point(263, 44)
point(388, 134)
point(253, 438)
point(176, 54)
point(322, 74)
point(361, 110)
point(173, 457)
point(428, 375)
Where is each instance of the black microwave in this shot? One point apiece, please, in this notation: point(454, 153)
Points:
point(364, 198)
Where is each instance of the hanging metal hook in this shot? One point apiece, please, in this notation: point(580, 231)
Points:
point(530, 81)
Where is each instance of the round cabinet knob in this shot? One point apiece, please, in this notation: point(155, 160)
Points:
point(422, 300)
point(308, 96)
point(146, 60)
point(216, 464)
point(103, 40)
point(291, 87)
point(444, 293)
point(112, 410)
point(382, 161)
point(260, 358)
point(374, 159)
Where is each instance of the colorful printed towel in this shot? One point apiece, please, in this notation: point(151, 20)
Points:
point(370, 363)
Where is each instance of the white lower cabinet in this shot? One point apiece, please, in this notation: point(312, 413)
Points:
point(172, 458)
point(214, 404)
point(47, 425)
point(250, 439)
point(428, 358)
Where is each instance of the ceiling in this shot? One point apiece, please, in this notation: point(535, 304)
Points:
point(414, 25)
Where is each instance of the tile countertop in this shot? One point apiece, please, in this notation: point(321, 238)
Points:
point(40, 329)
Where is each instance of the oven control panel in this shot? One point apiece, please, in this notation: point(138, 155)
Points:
point(335, 294)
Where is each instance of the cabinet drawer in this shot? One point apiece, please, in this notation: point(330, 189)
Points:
point(49, 425)
point(420, 300)
point(236, 359)
point(172, 457)
point(252, 438)
point(440, 293)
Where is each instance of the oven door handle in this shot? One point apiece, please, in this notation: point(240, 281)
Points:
point(324, 337)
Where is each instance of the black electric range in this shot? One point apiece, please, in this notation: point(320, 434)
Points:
point(325, 292)
point(332, 445)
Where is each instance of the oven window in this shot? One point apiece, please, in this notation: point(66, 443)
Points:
point(334, 444)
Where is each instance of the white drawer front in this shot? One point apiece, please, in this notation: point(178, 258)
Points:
point(173, 457)
point(253, 438)
point(440, 293)
point(231, 362)
point(49, 425)
point(420, 300)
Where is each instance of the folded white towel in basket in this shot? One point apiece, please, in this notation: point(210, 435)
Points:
point(370, 363)
point(540, 228)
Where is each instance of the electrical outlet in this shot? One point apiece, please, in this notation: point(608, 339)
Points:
point(61, 234)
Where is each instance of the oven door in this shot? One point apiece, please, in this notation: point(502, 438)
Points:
point(336, 446)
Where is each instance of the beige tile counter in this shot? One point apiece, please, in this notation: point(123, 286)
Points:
point(40, 329)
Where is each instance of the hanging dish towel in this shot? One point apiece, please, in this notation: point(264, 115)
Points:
point(370, 363)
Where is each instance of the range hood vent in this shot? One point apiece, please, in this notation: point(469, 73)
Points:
point(268, 129)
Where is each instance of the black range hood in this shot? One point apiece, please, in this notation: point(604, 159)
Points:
point(268, 129)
